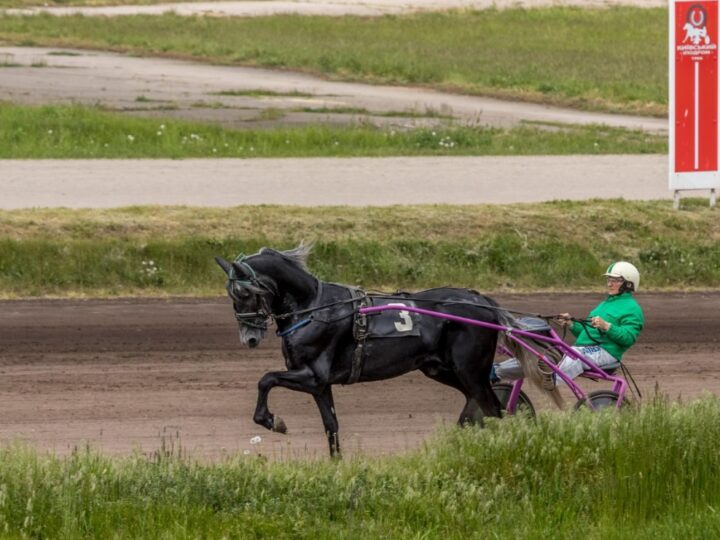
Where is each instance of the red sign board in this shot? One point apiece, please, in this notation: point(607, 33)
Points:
point(695, 85)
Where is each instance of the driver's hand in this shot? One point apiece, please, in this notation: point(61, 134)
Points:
point(600, 324)
point(564, 319)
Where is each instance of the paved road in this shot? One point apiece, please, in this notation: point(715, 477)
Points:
point(329, 181)
point(324, 7)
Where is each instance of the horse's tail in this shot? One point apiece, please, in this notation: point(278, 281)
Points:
point(532, 366)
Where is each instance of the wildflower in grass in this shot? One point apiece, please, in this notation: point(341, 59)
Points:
point(256, 439)
point(130, 138)
point(50, 131)
point(149, 269)
point(194, 136)
point(447, 142)
point(162, 126)
point(159, 133)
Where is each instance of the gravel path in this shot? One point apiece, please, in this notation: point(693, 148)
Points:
point(185, 89)
point(140, 85)
point(368, 8)
point(329, 181)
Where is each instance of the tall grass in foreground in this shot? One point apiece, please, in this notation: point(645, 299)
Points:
point(81, 132)
point(613, 59)
point(649, 472)
point(161, 250)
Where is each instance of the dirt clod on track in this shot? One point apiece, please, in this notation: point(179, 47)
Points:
point(127, 375)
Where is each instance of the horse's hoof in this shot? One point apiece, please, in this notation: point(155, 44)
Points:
point(279, 425)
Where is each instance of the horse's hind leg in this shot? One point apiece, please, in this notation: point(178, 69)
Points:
point(473, 372)
point(449, 378)
point(324, 401)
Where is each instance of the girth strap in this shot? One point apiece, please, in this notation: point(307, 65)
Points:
point(359, 333)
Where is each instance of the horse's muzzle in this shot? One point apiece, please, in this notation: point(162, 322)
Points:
point(251, 337)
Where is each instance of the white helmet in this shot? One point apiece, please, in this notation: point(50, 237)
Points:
point(626, 271)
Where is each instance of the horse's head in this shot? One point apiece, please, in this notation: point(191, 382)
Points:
point(251, 300)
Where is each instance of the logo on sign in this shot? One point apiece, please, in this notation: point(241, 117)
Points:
point(695, 29)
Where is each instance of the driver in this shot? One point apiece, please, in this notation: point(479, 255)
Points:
point(612, 328)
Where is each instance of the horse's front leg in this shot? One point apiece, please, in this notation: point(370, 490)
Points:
point(302, 380)
point(326, 405)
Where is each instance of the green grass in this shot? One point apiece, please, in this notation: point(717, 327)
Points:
point(78, 132)
point(552, 246)
point(643, 473)
point(609, 59)
point(261, 93)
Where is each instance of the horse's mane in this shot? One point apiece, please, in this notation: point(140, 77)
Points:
point(297, 255)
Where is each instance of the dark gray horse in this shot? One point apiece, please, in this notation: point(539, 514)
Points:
point(325, 341)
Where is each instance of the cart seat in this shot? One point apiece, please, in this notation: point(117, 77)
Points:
point(533, 324)
point(610, 369)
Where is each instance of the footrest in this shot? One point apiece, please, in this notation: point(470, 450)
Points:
point(611, 368)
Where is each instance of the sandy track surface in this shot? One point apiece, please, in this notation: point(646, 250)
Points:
point(368, 8)
point(329, 181)
point(124, 375)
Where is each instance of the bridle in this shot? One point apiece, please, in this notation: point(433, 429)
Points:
point(254, 319)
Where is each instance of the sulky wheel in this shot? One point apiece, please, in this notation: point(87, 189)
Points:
point(523, 406)
point(599, 400)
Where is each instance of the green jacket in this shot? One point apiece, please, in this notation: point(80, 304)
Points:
point(626, 318)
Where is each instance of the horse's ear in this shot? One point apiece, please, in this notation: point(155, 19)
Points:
point(226, 266)
point(240, 271)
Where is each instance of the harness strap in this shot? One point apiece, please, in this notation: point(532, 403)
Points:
point(294, 327)
point(360, 326)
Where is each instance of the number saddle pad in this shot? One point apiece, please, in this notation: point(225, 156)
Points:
point(392, 323)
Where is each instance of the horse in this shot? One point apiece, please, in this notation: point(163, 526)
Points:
point(326, 341)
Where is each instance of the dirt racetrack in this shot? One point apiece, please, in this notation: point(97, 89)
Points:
point(128, 375)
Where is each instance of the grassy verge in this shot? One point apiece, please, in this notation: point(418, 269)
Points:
point(79, 132)
point(608, 59)
point(161, 250)
point(645, 473)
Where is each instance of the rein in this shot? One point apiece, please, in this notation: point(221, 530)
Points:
point(259, 319)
